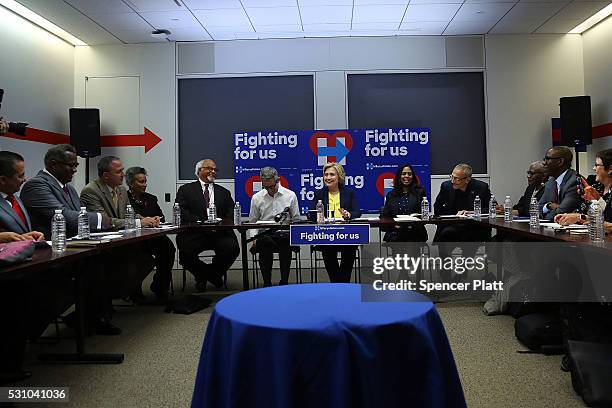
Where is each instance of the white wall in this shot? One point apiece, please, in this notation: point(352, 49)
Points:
point(154, 65)
point(37, 74)
point(526, 76)
point(598, 81)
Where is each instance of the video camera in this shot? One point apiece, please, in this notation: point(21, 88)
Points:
point(18, 128)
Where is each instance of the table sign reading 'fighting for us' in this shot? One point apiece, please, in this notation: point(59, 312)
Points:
point(329, 234)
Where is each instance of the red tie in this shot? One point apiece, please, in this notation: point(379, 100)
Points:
point(556, 195)
point(17, 208)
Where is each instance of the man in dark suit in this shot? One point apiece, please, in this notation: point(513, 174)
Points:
point(49, 190)
point(27, 303)
point(194, 199)
point(456, 197)
point(560, 192)
point(536, 176)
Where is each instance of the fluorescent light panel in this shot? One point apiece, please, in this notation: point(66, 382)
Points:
point(40, 21)
point(591, 21)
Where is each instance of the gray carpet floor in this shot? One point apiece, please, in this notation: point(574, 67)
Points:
point(162, 352)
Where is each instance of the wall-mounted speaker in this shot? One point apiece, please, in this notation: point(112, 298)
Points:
point(576, 126)
point(85, 131)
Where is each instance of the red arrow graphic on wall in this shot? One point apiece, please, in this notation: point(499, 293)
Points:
point(148, 139)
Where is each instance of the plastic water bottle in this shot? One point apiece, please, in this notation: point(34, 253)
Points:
point(477, 208)
point(130, 218)
point(176, 215)
point(596, 223)
point(507, 209)
point(534, 213)
point(424, 209)
point(212, 212)
point(237, 214)
point(492, 207)
point(83, 225)
point(320, 212)
point(58, 232)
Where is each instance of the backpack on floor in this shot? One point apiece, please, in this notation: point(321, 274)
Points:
point(591, 369)
point(541, 333)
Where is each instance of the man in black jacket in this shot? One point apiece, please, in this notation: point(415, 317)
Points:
point(536, 177)
point(194, 199)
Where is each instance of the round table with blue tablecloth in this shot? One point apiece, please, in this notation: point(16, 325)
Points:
point(320, 345)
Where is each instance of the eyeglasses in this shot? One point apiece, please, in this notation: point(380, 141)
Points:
point(546, 158)
point(454, 178)
point(211, 168)
point(71, 165)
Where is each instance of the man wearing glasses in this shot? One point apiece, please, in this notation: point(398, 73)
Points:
point(536, 177)
point(272, 201)
point(194, 199)
point(456, 197)
point(560, 192)
point(50, 190)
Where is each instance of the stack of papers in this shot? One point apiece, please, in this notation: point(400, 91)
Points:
point(404, 218)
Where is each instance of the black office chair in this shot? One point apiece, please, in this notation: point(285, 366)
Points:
point(295, 256)
point(314, 263)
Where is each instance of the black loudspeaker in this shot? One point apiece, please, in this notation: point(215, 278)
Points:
point(576, 126)
point(85, 131)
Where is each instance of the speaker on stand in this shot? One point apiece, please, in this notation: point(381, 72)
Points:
point(576, 126)
point(85, 134)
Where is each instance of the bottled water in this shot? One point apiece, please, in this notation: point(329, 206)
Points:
point(534, 213)
point(596, 223)
point(424, 209)
point(507, 209)
point(83, 225)
point(58, 232)
point(477, 208)
point(492, 208)
point(320, 212)
point(130, 218)
point(176, 215)
point(212, 212)
point(237, 214)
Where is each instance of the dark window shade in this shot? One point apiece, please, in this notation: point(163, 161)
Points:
point(211, 110)
point(450, 104)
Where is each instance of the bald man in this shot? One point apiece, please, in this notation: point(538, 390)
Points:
point(536, 178)
point(560, 192)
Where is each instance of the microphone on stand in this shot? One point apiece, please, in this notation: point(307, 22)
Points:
point(282, 216)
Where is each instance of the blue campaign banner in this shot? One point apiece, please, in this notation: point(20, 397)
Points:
point(329, 234)
point(370, 158)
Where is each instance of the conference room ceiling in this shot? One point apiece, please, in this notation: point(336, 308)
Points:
point(131, 21)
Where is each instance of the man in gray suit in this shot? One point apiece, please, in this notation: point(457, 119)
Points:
point(107, 195)
point(49, 191)
point(560, 192)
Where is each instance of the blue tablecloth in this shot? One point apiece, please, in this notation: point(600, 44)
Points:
point(320, 346)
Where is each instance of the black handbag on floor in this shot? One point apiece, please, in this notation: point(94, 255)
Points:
point(591, 369)
point(541, 333)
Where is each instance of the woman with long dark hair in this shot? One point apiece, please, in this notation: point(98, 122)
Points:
point(404, 199)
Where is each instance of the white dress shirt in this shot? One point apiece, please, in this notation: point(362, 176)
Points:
point(264, 207)
point(211, 190)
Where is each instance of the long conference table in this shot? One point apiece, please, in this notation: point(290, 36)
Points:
point(45, 258)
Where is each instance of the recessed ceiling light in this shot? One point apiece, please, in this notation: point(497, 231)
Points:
point(591, 21)
point(34, 18)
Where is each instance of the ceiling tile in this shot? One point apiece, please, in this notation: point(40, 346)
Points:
point(515, 26)
point(533, 11)
point(274, 15)
point(269, 3)
point(375, 26)
point(281, 34)
point(558, 26)
point(468, 27)
point(326, 14)
point(378, 14)
point(137, 36)
point(482, 11)
point(423, 28)
point(414, 2)
point(327, 34)
point(303, 3)
point(546, 1)
point(225, 17)
point(170, 19)
point(491, 1)
point(326, 27)
point(581, 10)
point(278, 28)
point(368, 2)
point(431, 12)
point(212, 4)
point(189, 34)
point(100, 6)
point(374, 33)
point(154, 5)
point(120, 21)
